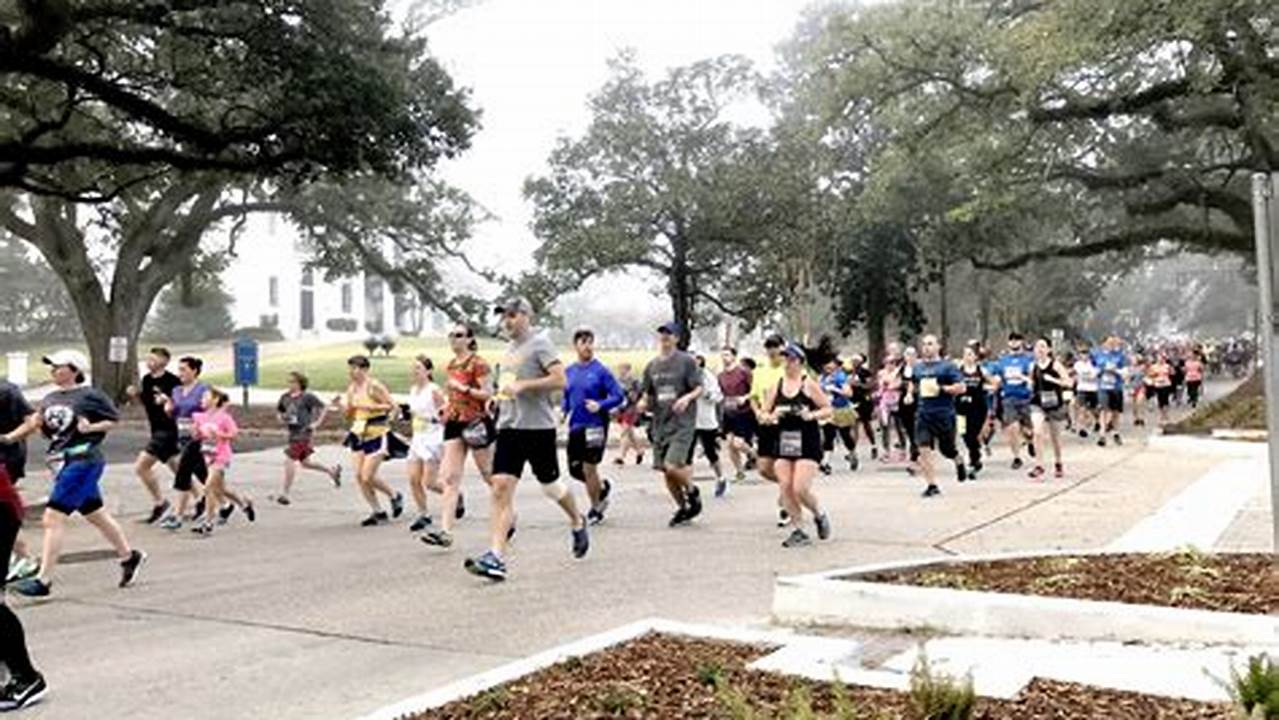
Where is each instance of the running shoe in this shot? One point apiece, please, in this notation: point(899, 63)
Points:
point(460, 511)
point(932, 491)
point(1083, 433)
point(1037, 472)
point(594, 516)
point(740, 476)
point(33, 587)
point(961, 472)
point(1030, 448)
point(421, 523)
point(397, 505)
point(438, 538)
point(487, 565)
point(751, 462)
point(797, 538)
point(974, 469)
point(823, 526)
point(171, 522)
point(619, 461)
point(1059, 471)
point(825, 468)
point(1017, 464)
point(1118, 440)
point(606, 492)
point(694, 502)
point(21, 568)
point(853, 463)
point(199, 508)
point(1101, 442)
point(783, 517)
point(204, 529)
point(721, 487)
point(874, 453)
point(250, 512)
point(639, 459)
point(130, 566)
point(374, 519)
point(510, 534)
point(18, 694)
point(225, 513)
point(337, 475)
point(157, 512)
point(581, 542)
point(679, 518)
point(283, 500)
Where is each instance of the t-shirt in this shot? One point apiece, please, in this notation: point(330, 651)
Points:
point(832, 383)
point(1194, 371)
point(590, 381)
point(764, 379)
point(154, 391)
point(186, 403)
point(1014, 374)
point(14, 410)
point(465, 407)
point(666, 379)
point(528, 359)
point(931, 379)
point(735, 385)
point(60, 413)
point(1085, 376)
point(863, 384)
point(215, 430)
point(300, 412)
point(1111, 364)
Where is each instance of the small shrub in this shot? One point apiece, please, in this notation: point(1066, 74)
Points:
point(620, 699)
point(735, 704)
point(371, 344)
point(710, 674)
point(387, 344)
point(937, 696)
point(492, 700)
point(574, 663)
point(1255, 692)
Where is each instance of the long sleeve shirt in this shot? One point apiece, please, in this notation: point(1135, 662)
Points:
point(590, 381)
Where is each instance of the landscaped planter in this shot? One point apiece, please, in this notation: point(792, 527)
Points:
point(852, 597)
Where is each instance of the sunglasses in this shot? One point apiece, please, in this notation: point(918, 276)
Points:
point(458, 335)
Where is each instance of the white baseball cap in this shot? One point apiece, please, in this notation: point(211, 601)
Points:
point(74, 358)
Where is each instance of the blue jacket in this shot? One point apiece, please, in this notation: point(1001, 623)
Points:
point(590, 381)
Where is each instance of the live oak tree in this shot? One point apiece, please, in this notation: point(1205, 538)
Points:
point(660, 181)
point(131, 130)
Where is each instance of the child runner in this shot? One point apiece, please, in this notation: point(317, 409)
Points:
point(302, 412)
point(215, 429)
point(426, 402)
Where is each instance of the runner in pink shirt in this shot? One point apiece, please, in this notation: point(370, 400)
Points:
point(216, 428)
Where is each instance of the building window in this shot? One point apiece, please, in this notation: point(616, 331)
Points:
point(308, 278)
point(346, 298)
point(273, 292)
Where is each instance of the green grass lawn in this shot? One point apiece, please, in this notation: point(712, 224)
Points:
point(36, 372)
point(326, 366)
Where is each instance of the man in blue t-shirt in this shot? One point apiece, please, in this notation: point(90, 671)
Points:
point(1111, 362)
point(591, 393)
point(1013, 374)
point(938, 382)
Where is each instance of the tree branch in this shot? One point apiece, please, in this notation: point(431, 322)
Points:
point(1206, 238)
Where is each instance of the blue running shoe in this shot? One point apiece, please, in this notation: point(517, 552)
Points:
point(487, 566)
point(581, 542)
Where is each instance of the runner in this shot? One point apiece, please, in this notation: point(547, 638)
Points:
point(216, 429)
point(843, 419)
point(468, 429)
point(26, 686)
point(1194, 377)
point(1159, 373)
point(526, 436)
point(795, 405)
point(1050, 379)
point(888, 399)
point(75, 418)
point(1085, 405)
point(628, 415)
point(590, 397)
point(368, 405)
point(970, 407)
point(909, 408)
point(188, 480)
point(708, 424)
point(939, 383)
point(1111, 362)
point(672, 384)
point(162, 448)
point(862, 381)
point(1142, 387)
point(764, 378)
point(302, 413)
point(739, 420)
point(14, 411)
point(1015, 393)
point(426, 448)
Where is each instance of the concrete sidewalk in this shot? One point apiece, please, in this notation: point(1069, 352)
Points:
point(307, 615)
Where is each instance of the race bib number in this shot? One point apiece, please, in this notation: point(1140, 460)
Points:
point(791, 444)
point(594, 437)
point(419, 424)
point(928, 388)
point(1014, 376)
point(1048, 400)
point(666, 394)
point(1068, 395)
point(961, 425)
point(185, 425)
point(358, 427)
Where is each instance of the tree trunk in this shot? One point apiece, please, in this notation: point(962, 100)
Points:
point(983, 311)
point(680, 288)
point(943, 310)
point(876, 343)
point(116, 320)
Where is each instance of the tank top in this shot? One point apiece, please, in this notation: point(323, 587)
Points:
point(974, 397)
point(1194, 371)
point(366, 424)
point(1160, 375)
point(1047, 394)
point(422, 407)
point(797, 437)
point(465, 407)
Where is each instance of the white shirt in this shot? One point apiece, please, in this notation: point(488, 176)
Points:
point(708, 403)
point(1086, 376)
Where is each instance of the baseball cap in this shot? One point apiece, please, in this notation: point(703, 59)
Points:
point(795, 351)
point(73, 358)
point(515, 304)
point(671, 328)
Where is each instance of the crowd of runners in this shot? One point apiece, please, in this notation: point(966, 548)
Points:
point(790, 416)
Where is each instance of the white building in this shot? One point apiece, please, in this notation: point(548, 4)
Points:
point(271, 287)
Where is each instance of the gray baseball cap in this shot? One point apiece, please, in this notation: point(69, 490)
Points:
point(515, 304)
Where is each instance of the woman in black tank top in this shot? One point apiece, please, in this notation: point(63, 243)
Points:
point(1049, 380)
point(795, 406)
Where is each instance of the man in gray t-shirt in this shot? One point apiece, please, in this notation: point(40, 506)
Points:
point(672, 383)
point(528, 378)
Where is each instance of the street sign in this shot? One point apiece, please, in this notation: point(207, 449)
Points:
point(246, 361)
point(118, 351)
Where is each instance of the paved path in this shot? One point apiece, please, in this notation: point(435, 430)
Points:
point(306, 615)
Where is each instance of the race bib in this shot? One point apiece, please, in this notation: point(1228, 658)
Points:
point(961, 424)
point(358, 427)
point(1014, 376)
point(791, 444)
point(594, 437)
point(666, 394)
point(419, 424)
point(1048, 399)
point(1067, 395)
point(185, 425)
point(928, 388)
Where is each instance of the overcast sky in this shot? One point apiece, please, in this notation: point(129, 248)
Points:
point(531, 64)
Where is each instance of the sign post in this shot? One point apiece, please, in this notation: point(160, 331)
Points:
point(1265, 203)
point(118, 350)
point(246, 365)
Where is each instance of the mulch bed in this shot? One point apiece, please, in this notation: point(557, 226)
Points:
point(1243, 583)
point(662, 676)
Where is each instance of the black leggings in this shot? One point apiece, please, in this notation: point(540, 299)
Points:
point(13, 641)
point(710, 444)
point(908, 414)
point(1192, 391)
point(829, 431)
point(974, 423)
point(190, 465)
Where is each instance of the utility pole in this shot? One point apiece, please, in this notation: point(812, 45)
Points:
point(1265, 203)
